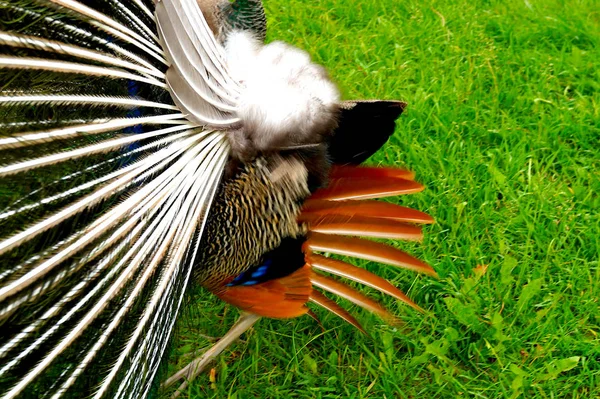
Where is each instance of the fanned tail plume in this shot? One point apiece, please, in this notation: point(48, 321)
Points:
point(106, 184)
point(340, 210)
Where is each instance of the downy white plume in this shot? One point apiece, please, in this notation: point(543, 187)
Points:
point(270, 97)
point(285, 101)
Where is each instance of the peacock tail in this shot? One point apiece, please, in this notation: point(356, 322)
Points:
point(106, 186)
point(140, 153)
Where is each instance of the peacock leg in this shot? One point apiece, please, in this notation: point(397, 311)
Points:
point(197, 366)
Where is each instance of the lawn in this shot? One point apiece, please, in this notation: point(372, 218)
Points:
point(503, 127)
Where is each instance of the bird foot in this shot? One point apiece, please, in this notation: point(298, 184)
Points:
point(198, 365)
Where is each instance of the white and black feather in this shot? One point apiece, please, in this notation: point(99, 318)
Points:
point(105, 186)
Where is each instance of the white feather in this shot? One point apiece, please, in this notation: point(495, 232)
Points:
point(32, 42)
point(25, 139)
point(286, 99)
point(111, 26)
point(198, 79)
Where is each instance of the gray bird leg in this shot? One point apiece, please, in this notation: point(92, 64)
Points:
point(198, 365)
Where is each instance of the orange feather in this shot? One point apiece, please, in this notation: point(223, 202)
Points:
point(365, 249)
point(359, 275)
point(370, 208)
point(284, 297)
point(347, 292)
point(332, 306)
point(365, 226)
point(345, 188)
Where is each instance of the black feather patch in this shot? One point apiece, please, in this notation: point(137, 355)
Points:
point(364, 127)
point(280, 262)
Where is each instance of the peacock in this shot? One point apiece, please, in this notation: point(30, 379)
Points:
point(148, 146)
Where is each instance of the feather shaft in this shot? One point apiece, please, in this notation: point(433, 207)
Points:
point(368, 250)
point(93, 127)
point(327, 304)
point(359, 275)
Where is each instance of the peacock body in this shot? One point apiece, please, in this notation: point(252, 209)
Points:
point(148, 146)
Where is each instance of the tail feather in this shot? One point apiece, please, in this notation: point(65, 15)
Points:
point(359, 275)
point(368, 208)
point(347, 292)
point(355, 188)
point(334, 212)
point(365, 226)
point(106, 185)
point(321, 300)
point(368, 250)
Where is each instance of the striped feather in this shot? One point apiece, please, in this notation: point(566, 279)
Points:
point(207, 94)
point(335, 212)
point(106, 185)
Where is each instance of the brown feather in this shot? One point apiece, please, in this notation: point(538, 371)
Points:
point(370, 208)
point(365, 226)
point(359, 275)
point(327, 304)
point(365, 249)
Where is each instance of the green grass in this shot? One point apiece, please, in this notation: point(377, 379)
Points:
point(503, 126)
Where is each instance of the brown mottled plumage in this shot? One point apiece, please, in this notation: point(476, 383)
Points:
point(260, 204)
